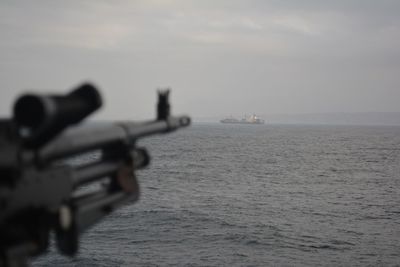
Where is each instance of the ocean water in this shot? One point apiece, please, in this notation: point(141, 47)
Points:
point(257, 195)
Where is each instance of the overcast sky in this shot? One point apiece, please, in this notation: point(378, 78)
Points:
point(219, 57)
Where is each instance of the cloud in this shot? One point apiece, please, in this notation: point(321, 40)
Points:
point(275, 55)
point(296, 24)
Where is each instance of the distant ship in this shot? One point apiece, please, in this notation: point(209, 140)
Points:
point(253, 119)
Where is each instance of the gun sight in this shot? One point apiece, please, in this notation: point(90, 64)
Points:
point(40, 118)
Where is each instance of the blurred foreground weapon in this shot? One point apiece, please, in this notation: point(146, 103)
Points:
point(40, 187)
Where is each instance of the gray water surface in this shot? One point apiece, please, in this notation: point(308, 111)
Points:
point(257, 195)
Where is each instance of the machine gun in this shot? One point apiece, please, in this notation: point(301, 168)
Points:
point(40, 186)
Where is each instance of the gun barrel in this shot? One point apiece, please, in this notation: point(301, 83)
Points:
point(83, 140)
point(160, 126)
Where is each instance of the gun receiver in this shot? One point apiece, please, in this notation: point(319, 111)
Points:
point(40, 190)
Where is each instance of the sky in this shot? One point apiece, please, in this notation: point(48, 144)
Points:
point(220, 57)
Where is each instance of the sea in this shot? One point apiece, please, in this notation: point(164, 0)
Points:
point(256, 195)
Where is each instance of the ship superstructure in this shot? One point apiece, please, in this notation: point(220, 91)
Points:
point(253, 119)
